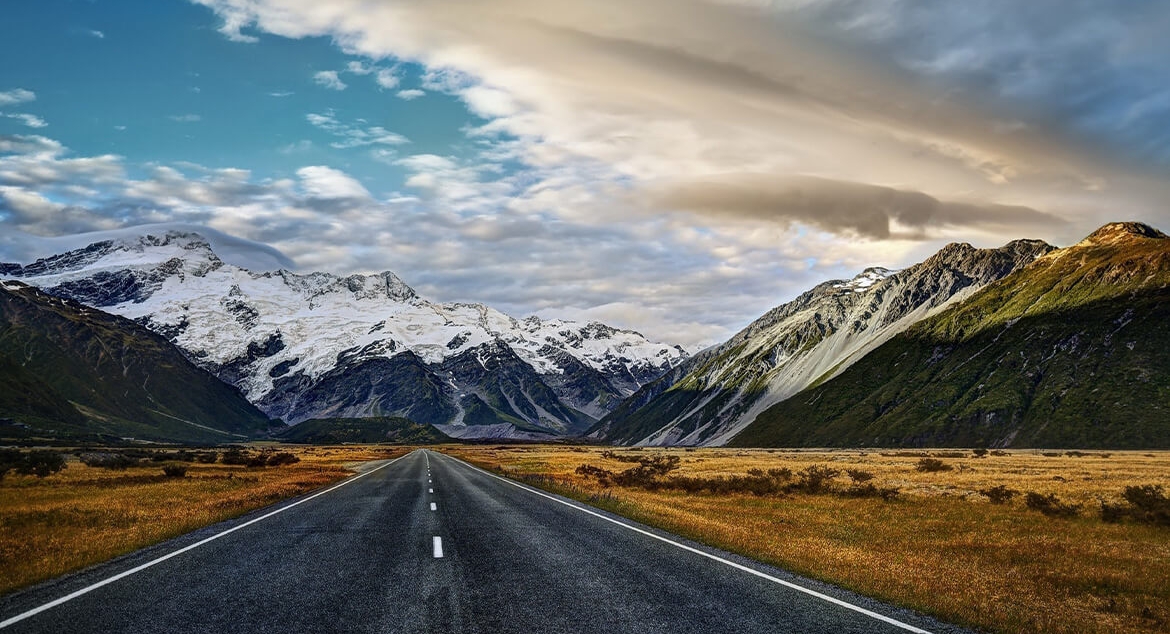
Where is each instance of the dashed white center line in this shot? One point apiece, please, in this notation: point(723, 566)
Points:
point(430, 490)
point(433, 507)
point(438, 547)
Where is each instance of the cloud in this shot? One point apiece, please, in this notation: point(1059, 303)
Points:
point(328, 183)
point(869, 211)
point(29, 120)
point(410, 94)
point(185, 118)
point(281, 93)
point(98, 34)
point(353, 135)
point(15, 96)
point(387, 78)
point(329, 79)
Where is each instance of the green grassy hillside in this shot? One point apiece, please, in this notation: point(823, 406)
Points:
point(72, 372)
point(1071, 351)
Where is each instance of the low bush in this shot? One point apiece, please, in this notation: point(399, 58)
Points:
point(174, 470)
point(999, 494)
point(207, 457)
point(235, 457)
point(258, 460)
point(106, 460)
point(816, 478)
point(869, 490)
point(931, 465)
point(282, 458)
point(980, 453)
point(1147, 504)
point(859, 476)
point(1050, 505)
point(38, 462)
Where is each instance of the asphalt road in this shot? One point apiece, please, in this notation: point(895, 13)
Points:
point(363, 557)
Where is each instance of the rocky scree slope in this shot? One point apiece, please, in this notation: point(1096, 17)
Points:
point(715, 394)
point(1072, 350)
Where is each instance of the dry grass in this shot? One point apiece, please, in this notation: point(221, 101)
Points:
point(940, 547)
point(86, 515)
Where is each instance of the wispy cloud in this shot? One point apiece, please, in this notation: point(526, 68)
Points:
point(185, 118)
point(410, 94)
point(98, 34)
point(29, 120)
point(329, 79)
point(354, 134)
point(15, 96)
point(281, 93)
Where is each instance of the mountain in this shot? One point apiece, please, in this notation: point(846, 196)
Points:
point(1072, 350)
point(319, 345)
point(72, 372)
point(716, 393)
point(333, 431)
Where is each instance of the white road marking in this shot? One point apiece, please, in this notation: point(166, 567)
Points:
point(430, 490)
point(752, 571)
point(433, 507)
point(438, 547)
point(122, 575)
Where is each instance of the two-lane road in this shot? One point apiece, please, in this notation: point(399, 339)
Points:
point(427, 543)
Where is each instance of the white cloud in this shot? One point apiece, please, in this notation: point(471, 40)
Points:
point(320, 181)
point(15, 96)
point(410, 94)
point(387, 78)
point(281, 93)
point(185, 118)
point(359, 68)
point(330, 80)
point(354, 135)
point(29, 120)
point(98, 34)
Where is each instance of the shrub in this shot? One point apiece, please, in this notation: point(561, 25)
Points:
point(207, 457)
point(649, 469)
point(1050, 505)
point(817, 478)
point(1148, 503)
point(604, 476)
point(108, 460)
point(869, 490)
point(859, 476)
point(282, 458)
point(235, 457)
point(999, 494)
point(38, 462)
point(783, 473)
point(980, 453)
point(259, 460)
point(932, 465)
point(175, 470)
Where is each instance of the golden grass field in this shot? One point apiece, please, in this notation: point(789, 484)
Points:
point(940, 547)
point(85, 515)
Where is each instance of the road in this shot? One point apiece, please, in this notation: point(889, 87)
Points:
point(427, 543)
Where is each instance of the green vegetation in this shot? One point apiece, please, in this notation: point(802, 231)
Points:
point(324, 431)
point(73, 374)
point(1071, 351)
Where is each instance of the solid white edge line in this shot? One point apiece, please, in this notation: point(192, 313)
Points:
point(763, 575)
point(438, 543)
point(126, 573)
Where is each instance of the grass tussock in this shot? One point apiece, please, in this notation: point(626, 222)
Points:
point(102, 504)
point(1014, 524)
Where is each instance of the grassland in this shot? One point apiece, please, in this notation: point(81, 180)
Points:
point(85, 515)
point(939, 547)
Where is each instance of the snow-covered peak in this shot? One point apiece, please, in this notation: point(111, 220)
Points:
point(865, 280)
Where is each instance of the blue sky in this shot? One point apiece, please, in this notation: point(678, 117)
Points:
point(676, 166)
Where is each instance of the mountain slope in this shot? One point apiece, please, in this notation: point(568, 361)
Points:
point(1070, 351)
point(319, 345)
point(716, 393)
point(331, 431)
point(75, 372)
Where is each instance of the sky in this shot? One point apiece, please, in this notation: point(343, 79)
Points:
point(673, 166)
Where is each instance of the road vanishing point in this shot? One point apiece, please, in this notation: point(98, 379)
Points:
point(428, 543)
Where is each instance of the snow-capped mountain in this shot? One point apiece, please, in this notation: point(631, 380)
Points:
point(310, 345)
point(716, 393)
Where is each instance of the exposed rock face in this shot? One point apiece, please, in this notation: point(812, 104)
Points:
point(1071, 350)
point(716, 393)
point(319, 345)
